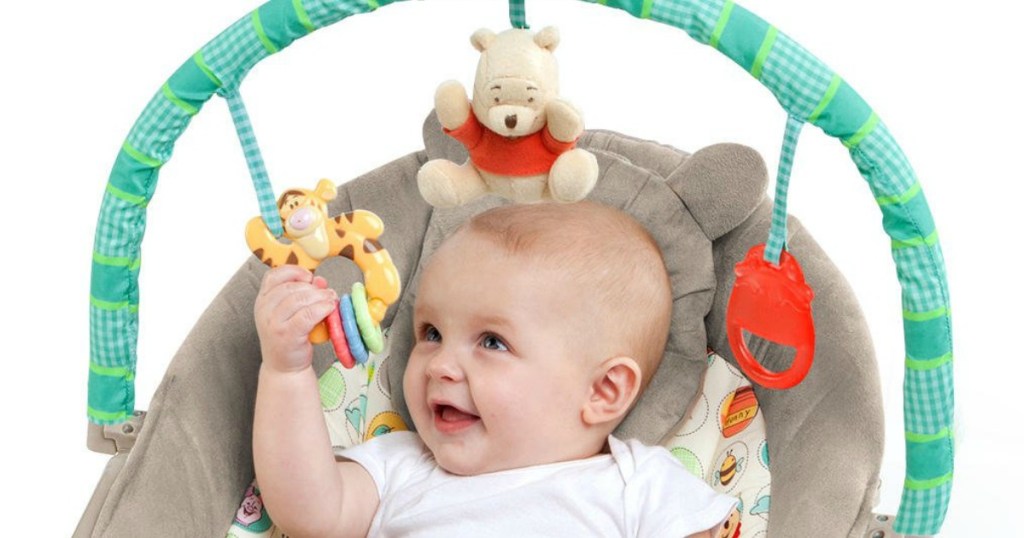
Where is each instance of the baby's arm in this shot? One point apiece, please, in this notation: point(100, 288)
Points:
point(305, 491)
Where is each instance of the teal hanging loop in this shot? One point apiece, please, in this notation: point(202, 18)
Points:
point(253, 158)
point(517, 14)
point(777, 235)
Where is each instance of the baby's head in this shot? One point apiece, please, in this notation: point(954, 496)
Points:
point(537, 326)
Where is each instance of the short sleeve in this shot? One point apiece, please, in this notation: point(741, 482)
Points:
point(390, 459)
point(554, 145)
point(469, 133)
point(662, 498)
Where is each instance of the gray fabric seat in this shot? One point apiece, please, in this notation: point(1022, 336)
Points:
point(193, 460)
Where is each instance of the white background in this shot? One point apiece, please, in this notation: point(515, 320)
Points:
point(74, 76)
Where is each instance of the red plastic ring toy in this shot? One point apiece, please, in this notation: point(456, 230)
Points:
point(773, 302)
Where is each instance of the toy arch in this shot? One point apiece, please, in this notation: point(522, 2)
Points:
point(802, 84)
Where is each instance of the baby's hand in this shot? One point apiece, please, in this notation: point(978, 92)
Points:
point(287, 308)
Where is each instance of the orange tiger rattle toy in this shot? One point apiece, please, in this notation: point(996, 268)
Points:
point(315, 237)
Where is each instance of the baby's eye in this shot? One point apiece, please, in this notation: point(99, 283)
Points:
point(429, 333)
point(490, 341)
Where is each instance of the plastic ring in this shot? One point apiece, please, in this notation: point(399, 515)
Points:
point(773, 302)
point(348, 321)
point(373, 337)
point(339, 341)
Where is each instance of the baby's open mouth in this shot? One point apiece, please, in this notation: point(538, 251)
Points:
point(450, 419)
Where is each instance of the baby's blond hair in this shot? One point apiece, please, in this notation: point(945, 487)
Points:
point(606, 251)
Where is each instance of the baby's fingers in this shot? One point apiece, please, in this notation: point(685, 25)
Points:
point(302, 311)
point(285, 273)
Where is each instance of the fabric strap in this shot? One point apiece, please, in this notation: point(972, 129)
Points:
point(254, 159)
point(517, 14)
point(777, 235)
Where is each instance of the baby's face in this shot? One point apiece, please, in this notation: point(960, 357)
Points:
point(498, 377)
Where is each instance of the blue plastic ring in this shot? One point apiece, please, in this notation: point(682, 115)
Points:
point(355, 340)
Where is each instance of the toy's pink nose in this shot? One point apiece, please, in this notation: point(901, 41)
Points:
point(511, 121)
point(301, 218)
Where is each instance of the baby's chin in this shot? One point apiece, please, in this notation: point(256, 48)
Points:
point(460, 466)
point(468, 465)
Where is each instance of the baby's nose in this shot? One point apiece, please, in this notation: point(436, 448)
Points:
point(444, 367)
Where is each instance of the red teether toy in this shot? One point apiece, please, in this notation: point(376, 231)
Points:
point(335, 332)
point(773, 302)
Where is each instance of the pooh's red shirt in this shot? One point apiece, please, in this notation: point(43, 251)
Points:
point(529, 155)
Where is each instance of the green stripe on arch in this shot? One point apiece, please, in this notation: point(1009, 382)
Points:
point(901, 199)
point(863, 132)
point(141, 157)
point(104, 416)
point(922, 365)
point(127, 197)
point(723, 21)
point(927, 438)
point(764, 51)
point(108, 305)
point(645, 11)
point(830, 93)
point(300, 13)
point(261, 33)
point(205, 68)
point(111, 371)
point(373, 4)
point(169, 94)
point(131, 264)
point(918, 485)
point(926, 316)
point(916, 241)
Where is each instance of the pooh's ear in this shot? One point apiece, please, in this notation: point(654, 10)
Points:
point(481, 39)
point(547, 38)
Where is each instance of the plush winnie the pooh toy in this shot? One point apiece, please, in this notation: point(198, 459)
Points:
point(520, 135)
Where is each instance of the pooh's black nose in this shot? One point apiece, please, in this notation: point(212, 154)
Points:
point(511, 121)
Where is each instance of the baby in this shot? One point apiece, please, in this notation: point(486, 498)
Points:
point(537, 327)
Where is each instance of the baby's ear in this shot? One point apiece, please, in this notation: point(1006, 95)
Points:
point(614, 386)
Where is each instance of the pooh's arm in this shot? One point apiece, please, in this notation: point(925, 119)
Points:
point(565, 123)
point(452, 104)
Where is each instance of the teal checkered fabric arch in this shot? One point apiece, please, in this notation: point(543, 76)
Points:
point(808, 90)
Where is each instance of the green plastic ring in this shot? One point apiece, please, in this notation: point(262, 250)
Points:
point(372, 335)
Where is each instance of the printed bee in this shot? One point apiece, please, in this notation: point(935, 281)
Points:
point(730, 467)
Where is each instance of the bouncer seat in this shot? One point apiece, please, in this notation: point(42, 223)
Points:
point(804, 461)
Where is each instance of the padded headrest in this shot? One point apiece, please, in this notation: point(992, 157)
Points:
point(657, 185)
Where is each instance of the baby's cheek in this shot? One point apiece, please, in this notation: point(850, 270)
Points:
point(415, 397)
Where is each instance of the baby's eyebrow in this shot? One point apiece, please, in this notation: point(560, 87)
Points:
point(421, 310)
point(494, 320)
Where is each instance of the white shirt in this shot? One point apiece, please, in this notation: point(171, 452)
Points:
point(636, 490)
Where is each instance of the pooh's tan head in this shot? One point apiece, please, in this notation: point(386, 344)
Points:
point(516, 77)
